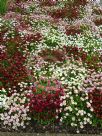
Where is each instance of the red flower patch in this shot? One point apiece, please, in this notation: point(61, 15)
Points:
point(45, 100)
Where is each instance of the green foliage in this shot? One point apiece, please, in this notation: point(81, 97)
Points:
point(3, 6)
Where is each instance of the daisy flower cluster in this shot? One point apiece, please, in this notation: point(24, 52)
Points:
point(45, 99)
point(76, 108)
point(3, 98)
point(50, 64)
point(15, 108)
point(93, 85)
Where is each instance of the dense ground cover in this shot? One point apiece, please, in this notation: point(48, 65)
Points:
point(51, 66)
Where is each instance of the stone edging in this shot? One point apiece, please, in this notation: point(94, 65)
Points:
point(43, 134)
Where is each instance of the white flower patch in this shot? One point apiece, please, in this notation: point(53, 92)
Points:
point(15, 113)
point(3, 98)
point(70, 73)
point(76, 110)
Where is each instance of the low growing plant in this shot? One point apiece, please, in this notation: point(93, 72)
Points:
point(3, 6)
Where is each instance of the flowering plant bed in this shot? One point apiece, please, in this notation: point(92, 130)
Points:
point(51, 66)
